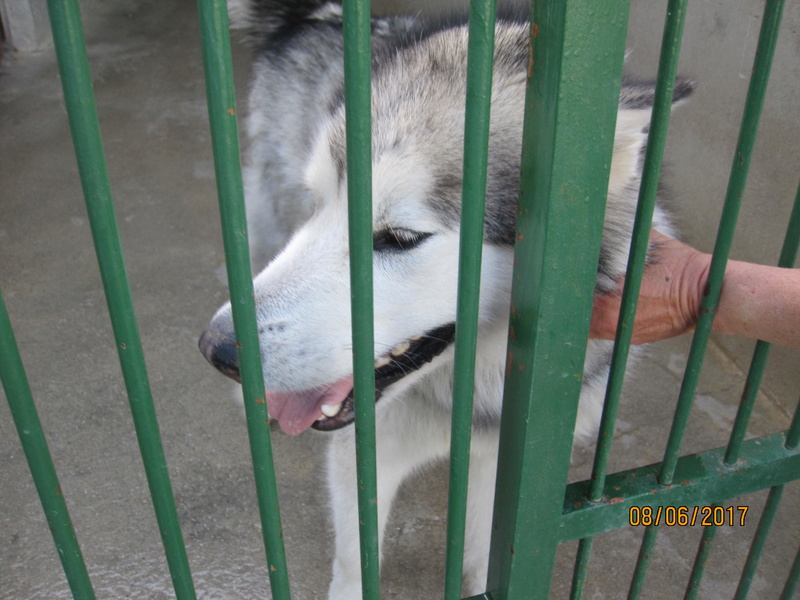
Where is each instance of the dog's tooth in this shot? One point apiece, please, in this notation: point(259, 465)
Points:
point(382, 362)
point(322, 418)
point(416, 338)
point(401, 349)
point(330, 410)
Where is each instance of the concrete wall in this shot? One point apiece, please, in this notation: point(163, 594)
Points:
point(26, 25)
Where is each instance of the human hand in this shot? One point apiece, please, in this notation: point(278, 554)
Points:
point(670, 295)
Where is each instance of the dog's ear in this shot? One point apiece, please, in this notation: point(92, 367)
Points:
point(635, 108)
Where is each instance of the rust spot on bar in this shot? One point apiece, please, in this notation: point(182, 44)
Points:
point(231, 112)
point(616, 500)
point(239, 345)
point(260, 400)
point(534, 33)
point(530, 61)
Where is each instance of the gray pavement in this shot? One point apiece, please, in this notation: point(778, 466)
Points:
point(148, 77)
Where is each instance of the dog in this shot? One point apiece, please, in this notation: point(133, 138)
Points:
point(295, 180)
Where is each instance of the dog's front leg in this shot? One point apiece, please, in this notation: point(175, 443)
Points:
point(401, 448)
point(480, 500)
point(346, 581)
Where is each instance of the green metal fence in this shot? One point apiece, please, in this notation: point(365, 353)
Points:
point(571, 103)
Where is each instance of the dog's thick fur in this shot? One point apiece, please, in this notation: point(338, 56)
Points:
point(296, 177)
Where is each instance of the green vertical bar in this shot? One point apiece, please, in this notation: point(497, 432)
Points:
point(747, 401)
point(82, 112)
point(476, 154)
point(643, 562)
point(741, 162)
point(793, 579)
point(760, 538)
point(793, 434)
point(700, 560)
point(791, 243)
point(568, 135)
point(34, 444)
point(665, 85)
point(581, 567)
point(225, 139)
point(357, 71)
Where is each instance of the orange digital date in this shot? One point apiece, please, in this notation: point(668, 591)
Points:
point(683, 516)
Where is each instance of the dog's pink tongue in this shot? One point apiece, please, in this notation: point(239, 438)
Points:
point(297, 411)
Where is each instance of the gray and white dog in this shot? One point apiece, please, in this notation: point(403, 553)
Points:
point(296, 182)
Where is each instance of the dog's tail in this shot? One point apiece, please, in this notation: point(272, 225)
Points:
point(265, 19)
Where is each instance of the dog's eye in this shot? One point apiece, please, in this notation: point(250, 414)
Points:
point(397, 240)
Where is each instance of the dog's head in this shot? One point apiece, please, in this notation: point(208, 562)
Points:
point(303, 295)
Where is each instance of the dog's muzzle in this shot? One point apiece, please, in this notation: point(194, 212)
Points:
point(220, 350)
point(401, 361)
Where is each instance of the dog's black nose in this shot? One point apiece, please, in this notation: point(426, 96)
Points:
point(220, 351)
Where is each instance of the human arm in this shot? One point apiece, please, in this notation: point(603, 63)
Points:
point(756, 301)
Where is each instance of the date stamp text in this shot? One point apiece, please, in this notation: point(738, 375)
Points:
point(683, 516)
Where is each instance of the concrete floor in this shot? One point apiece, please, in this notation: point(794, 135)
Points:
point(149, 83)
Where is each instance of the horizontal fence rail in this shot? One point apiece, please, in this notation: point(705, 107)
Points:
point(702, 481)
